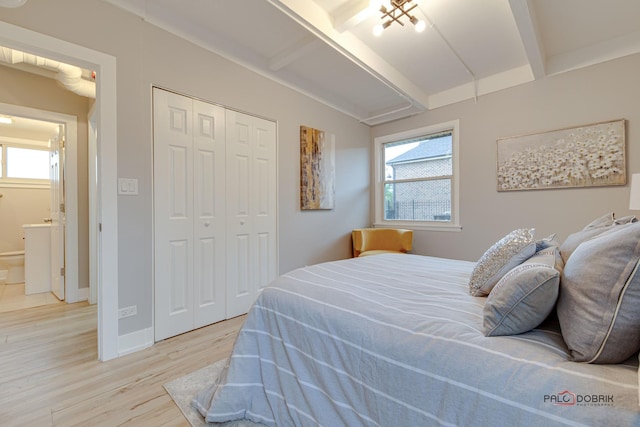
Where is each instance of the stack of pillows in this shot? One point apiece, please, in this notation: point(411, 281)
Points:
point(590, 280)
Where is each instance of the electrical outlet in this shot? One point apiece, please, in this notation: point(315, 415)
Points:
point(127, 312)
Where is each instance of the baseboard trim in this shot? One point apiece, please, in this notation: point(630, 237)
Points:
point(135, 341)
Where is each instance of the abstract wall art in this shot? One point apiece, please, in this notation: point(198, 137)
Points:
point(317, 169)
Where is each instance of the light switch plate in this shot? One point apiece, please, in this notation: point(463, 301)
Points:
point(128, 186)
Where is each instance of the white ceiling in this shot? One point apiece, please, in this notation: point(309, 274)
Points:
point(26, 128)
point(326, 49)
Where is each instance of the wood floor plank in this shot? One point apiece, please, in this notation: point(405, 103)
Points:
point(50, 375)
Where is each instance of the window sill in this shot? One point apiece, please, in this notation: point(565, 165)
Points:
point(24, 185)
point(431, 226)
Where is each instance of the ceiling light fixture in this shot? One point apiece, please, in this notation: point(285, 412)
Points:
point(6, 120)
point(399, 8)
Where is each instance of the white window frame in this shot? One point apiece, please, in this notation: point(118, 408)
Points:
point(379, 176)
point(7, 182)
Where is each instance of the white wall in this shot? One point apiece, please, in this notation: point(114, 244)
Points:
point(148, 56)
point(598, 93)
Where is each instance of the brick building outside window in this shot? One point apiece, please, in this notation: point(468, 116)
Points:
point(418, 181)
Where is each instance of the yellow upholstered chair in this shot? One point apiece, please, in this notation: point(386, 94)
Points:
point(373, 241)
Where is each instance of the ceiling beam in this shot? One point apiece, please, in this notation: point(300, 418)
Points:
point(524, 15)
point(320, 23)
point(350, 14)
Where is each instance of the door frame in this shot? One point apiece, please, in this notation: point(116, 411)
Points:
point(39, 44)
point(94, 222)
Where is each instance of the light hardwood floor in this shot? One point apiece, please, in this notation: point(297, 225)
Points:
point(12, 297)
point(50, 375)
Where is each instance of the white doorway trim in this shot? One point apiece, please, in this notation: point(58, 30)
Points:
point(105, 66)
point(94, 222)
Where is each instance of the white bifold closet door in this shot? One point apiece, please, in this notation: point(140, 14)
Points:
point(189, 195)
point(251, 209)
point(215, 212)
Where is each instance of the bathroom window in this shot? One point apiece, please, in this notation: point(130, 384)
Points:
point(24, 165)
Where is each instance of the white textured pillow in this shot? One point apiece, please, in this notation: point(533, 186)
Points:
point(513, 249)
point(600, 295)
point(524, 297)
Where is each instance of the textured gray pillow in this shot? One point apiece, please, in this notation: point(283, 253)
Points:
point(598, 306)
point(513, 249)
point(524, 297)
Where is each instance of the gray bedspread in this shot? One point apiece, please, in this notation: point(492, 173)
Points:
point(396, 340)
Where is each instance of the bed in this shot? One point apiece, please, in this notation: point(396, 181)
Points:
point(398, 340)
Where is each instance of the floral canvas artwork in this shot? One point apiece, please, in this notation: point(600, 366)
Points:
point(584, 156)
point(317, 169)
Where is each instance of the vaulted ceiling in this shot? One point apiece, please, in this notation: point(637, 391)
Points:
point(327, 50)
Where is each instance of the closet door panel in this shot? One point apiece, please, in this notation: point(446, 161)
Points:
point(180, 271)
point(209, 218)
point(251, 218)
point(239, 205)
point(173, 220)
point(265, 200)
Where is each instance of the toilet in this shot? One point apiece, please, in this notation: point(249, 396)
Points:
point(13, 262)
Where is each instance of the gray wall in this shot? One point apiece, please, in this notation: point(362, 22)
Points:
point(598, 93)
point(148, 56)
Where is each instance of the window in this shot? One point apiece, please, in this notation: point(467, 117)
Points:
point(417, 178)
point(24, 165)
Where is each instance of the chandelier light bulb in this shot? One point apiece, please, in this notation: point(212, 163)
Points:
point(420, 26)
point(377, 30)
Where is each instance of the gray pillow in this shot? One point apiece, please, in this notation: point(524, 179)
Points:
point(547, 242)
point(600, 295)
point(524, 297)
point(513, 249)
point(551, 242)
point(625, 220)
point(602, 221)
point(593, 229)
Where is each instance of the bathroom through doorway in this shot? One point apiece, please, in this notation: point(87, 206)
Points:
point(53, 205)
